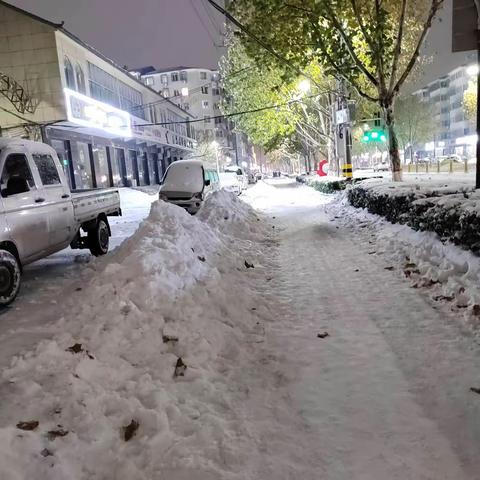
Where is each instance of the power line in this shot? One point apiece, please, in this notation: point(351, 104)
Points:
point(197, 120)
point(197, 13)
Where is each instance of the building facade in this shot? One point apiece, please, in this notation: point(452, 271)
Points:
point(455, 133)
point(198, 91)
point(108, 127)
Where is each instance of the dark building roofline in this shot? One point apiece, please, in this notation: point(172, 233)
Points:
point(174, 69)
point(60, 27)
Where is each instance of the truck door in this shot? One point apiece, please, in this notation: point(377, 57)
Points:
point(25, 209)
point(57, 197)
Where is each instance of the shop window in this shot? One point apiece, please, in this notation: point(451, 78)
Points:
point(47, 169)
point(101, 166)
point(82, 170)
point(69, 75)
point(80, 77)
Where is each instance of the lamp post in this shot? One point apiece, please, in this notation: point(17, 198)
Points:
point(215, 147)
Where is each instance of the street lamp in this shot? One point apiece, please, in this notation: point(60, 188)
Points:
point(215, 146)
point(472, 70)
point(304, 85)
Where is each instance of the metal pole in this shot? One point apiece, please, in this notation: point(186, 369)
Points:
point(477, 176)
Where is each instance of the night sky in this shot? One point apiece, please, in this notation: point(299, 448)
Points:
point(137, 33)
point(166, 33)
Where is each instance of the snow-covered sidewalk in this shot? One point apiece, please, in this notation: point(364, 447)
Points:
point(237, 345)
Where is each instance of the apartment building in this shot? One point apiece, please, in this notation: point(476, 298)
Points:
point(102, 121)
point(198, 91)
point(455, 134)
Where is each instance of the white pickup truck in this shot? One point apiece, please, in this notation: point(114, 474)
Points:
point(39, 215)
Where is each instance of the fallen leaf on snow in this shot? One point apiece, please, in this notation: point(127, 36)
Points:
point(323, 335)
point(180, 368)
point(389, 268)
point(249, 265)
point(30, 425)
point(169, 338)
point(77, 348)
point(60, 432)
point(46, 453)
point(202, 259)
point(475, 390)
point(130, 430)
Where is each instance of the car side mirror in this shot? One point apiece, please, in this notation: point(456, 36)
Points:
point(16, 185)
point(207, 183)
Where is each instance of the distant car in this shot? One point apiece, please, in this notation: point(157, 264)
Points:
point(381, 167)
point(302, 178)
point(229, 181)
point(252, 178)
point(450, 158)
point(186, 183)
point(242, 176)
point(258, 175)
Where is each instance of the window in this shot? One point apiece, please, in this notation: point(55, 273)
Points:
point(176, 93)
point(205, 90)
point(183, 76)
point(149, 81)
point(186, 106)
point(216, 105)
point(164, 79)
point(174, 77)
point(205, 103)
point(106, 88)
point(215, 91)
point(206, 119)
point(16, 165)
point(69, 75)
point(80, 77)
point(166, 92)
point(218, 120)
point(47, 169)
point(203, 75)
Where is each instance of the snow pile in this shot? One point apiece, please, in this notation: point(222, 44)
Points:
point(135, 385)
point(228, 213)
point(451, 275)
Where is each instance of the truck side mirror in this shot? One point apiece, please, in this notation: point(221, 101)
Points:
point(15, 185)
point(207, 183)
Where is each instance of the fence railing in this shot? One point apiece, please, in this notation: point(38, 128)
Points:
point(445, 166)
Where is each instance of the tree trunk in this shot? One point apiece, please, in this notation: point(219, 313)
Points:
point(392, 142)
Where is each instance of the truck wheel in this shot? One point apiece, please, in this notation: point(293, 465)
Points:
point(10, 275)
point(99, 238)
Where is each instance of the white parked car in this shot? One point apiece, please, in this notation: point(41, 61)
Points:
point(229, 181)
point(241, 174)
point(40, 216)
point(381, 167)
point(186, 183)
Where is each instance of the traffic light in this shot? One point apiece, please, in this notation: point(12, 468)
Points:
point(375, 135)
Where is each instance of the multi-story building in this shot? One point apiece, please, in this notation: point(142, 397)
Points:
point(198, 91)
point(454, 132)
point(108, 127)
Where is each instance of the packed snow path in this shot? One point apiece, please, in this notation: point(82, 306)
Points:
point(386, 394)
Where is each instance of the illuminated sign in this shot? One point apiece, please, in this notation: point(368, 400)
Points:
point(88, 112)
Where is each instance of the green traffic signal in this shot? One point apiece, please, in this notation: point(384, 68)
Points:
point(376, 135)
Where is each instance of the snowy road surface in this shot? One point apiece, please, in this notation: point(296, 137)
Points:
point(384, 396)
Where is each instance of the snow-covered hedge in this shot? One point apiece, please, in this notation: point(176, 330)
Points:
point(451, 211)
point(333, 186)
